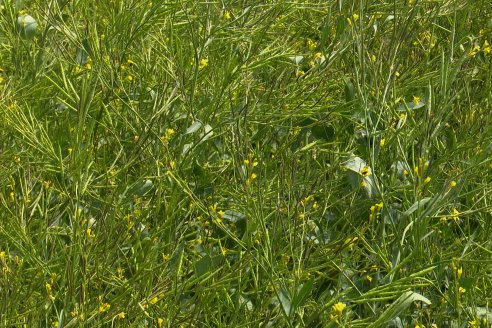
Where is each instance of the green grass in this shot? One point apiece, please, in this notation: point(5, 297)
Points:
point(245, 163)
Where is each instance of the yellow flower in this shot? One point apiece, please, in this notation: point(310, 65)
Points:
point(461, 291)
point(203, 63)
point(253, 176)
point(350, 242)
point(220, 214)
point(154, 300)
point(121, 315)
point(427, 180)
point(104, 307)
point(373, 58)
point(338, 308)
point(474, 51)
point(160, 322)
point(90, 233)
point(416, 100)
point(486, 47)
point(452, 184)
point(473, 324)
point(355, 16)
point(317, 55)
point(129, 78)
point(382, 142)
point(365, 171)
point(459, 272)
point(226, 16)
point(311, 44)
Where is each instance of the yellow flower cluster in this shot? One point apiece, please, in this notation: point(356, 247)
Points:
point(375, 210)
point(104, 307)
point(203, 63)
point(337, 311)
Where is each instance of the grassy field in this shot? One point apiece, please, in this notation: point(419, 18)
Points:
point(246, 163)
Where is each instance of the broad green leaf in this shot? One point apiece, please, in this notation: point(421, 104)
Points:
point(349, 91)
point(417, 205)
point(144, 188)
point(323, 131)
point(354, 166)
point(176, 260)
point(193, 127)
point(26, 25)
point(296, 59)
point(302, 294)
point(410, 106)
point(203, 265)
point(397, 307)
point(284, 297)
point(207, 132)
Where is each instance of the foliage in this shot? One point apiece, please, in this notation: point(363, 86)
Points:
point(245, 163)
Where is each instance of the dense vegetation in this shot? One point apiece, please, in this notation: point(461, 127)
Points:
point(245, 163)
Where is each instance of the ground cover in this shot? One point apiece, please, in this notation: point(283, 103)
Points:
point(245, 163)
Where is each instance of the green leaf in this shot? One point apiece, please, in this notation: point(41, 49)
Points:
point(203, 265)
point(193, 127)
point(401, 304)
point(410, 106)
point(417, 205)
point(323, 131)
point(354, 166)
point(176, 260)
point(302, 294)
point(26, 25)
point(349, 91)
point(207, 132)
point(144, 188)
point(285, 300)
point(296, 59)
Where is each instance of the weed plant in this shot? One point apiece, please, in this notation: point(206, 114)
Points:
point(245, 163)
